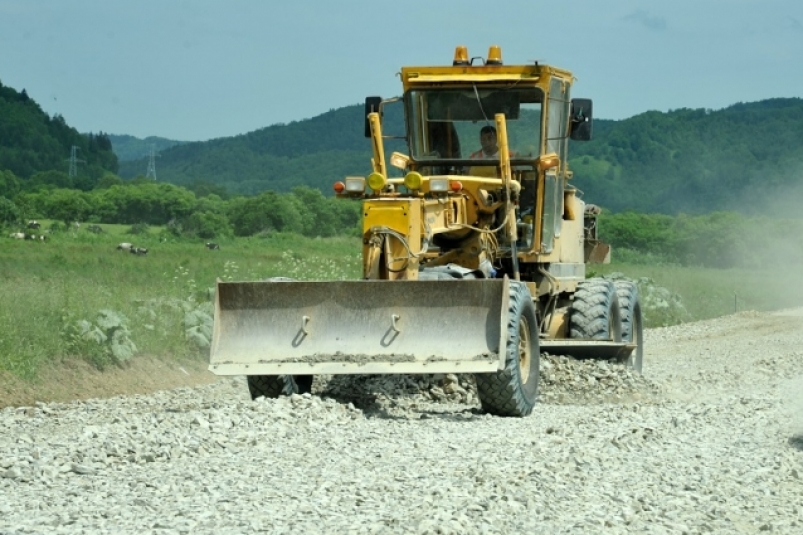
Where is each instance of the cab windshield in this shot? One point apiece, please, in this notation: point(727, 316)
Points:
point(449, 124)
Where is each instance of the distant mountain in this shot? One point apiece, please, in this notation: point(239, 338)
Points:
point(314, 152)
point(129, 148)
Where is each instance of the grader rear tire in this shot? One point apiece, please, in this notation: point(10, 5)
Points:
point(513, 391)
point(632, 328)
point(595, 313)
point(273, 386)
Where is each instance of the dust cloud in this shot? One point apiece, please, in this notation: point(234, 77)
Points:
point(770, 242)
point(774, 196)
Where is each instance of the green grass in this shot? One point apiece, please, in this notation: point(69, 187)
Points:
point(709, 293)
point(46, 287)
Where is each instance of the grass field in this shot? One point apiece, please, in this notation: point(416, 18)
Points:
point(53, 293)
point(49, 288)
point(709, 293)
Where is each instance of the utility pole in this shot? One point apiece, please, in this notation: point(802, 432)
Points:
point(74, 161)
point(151, 164)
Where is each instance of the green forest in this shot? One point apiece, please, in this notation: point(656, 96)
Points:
point(316, 152)
point(747, 158)
point(32, 144)
point(36, 183)
point(686, 187)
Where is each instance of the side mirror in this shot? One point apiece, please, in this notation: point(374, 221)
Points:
point(580, 120)
point(372, 104)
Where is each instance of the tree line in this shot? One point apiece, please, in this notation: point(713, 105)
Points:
point(716, 188)
point(716, 240)
point(142, 201)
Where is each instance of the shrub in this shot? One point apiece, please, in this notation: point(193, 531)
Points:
point(58, 226)
point(207, 225)
point(174, 227)
point(139, 228)
point(9, 212)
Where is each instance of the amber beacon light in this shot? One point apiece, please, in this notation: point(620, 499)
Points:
point(494, 55)
point(460, 56)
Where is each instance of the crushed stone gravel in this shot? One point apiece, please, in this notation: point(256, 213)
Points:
point(708, 440)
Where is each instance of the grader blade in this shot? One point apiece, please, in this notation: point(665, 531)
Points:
point(366, 327)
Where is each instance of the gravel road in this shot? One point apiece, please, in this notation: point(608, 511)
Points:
point(709, 440)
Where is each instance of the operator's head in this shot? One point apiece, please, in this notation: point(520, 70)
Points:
point(488, 140)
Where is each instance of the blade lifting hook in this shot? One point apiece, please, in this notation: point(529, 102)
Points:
point(393, 319)
point(304, 322)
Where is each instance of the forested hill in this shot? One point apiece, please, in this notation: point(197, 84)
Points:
point(747, 157)
point(133, 148)
point(32, 142)
point(315, 152)
point(687, 160)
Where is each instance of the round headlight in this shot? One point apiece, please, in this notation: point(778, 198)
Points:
point(376, 181)
point(413, 180)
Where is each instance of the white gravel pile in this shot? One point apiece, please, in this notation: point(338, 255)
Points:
point(564, 380)
point(710, 440)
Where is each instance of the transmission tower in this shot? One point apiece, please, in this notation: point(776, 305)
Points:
point(74, 161)
point(151, 164)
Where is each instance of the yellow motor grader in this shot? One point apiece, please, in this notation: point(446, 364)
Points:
point(474, 253)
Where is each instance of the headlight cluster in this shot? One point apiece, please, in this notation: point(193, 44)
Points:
point(413, 181)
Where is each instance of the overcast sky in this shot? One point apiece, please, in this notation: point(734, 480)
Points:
point(202, 69)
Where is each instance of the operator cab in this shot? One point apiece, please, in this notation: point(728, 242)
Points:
point(445, 126)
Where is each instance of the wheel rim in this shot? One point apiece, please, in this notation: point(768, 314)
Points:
point(524, 350)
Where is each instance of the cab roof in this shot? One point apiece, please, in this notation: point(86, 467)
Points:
point(464, 72)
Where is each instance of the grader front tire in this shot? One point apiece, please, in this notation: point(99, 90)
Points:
point(513, 391)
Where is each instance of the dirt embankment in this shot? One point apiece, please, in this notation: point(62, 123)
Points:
point(78, 380)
